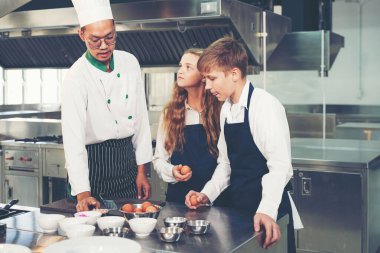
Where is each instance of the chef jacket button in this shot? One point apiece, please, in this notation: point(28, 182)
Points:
point(109, 101)
point(118, 75)
point(126, 96)
point(129, 117)
point(116, 121)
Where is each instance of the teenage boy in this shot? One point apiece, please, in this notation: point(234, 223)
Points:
point(254, 144)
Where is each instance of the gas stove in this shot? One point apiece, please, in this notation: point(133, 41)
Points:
point(26, 163)
point(46, 139)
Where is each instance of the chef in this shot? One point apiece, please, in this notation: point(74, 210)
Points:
point(105, 125)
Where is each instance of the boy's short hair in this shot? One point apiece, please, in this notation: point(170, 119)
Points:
point(225, 53)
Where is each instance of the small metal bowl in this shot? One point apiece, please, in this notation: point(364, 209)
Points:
point(170, 234)
point(175, 222)
point(198, 227)
point(116, 231)
point(131, 215)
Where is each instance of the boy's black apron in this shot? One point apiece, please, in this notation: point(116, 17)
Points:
point(196, 155)
point(113, 169)
point(248, 166)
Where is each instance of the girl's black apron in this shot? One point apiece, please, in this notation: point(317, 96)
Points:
point(113, 169)
point(248, 166)
point(196, 155)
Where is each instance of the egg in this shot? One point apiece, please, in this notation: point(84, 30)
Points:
point(185, 169)
point(144, 205)
point(127, 208)
point(151, 209)
point(193, 200)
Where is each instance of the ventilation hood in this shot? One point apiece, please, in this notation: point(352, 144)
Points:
point(7, 6)
point(157, 33)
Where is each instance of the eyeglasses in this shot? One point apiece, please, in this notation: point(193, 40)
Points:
point(97, 43)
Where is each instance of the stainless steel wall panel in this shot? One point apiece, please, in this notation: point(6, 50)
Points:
point(16, 128)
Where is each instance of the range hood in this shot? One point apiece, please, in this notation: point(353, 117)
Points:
point(7, 6)
point(156, 32)
point(313, 50)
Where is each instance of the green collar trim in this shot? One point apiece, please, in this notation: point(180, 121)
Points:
point(98, 64)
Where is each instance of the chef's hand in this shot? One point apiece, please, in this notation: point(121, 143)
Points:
point(272, 230)
point(178, 176)
point(199, 199)
point(143, 186)
point(86, 202)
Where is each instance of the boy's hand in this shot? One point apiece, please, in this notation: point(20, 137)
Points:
point(195, 199)
point(272, 230)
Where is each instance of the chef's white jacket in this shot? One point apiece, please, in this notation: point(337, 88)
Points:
point(99, 106)
point(270, 131)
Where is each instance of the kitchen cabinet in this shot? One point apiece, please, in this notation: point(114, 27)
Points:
point(330, 207)
point(54, 174)
point(336, 186)
point(22, 187)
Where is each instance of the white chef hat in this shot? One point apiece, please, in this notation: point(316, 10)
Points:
point(91, 11)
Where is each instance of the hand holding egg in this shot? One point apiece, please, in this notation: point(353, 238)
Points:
point(195, 199)
point(185, 170)
point(182, 173)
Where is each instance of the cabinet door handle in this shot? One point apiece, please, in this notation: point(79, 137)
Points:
point(50, 186)
point(8, 189)
point(306, 186)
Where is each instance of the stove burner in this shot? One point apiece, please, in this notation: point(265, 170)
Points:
point(51, 138)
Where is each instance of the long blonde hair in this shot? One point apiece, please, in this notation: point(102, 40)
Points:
point(174, 117)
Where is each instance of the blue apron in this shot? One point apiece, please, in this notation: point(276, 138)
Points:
point(248, 166)
point(196, 155)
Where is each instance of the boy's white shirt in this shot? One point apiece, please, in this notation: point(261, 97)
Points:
point(270, 131)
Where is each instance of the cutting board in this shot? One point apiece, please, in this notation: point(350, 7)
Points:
point(68, 205)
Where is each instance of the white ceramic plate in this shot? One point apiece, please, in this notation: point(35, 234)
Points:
point(95, 244)
point(14, 248)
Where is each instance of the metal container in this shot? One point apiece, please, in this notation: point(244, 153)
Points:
point(198, 227)
point(116, 231)
point(170, 234)
point(131, 215)
point(175, 222)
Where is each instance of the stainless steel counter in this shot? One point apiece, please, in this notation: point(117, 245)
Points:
point(231, 231)
point(358, 130)
point(358, 154)
point(343, 144)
